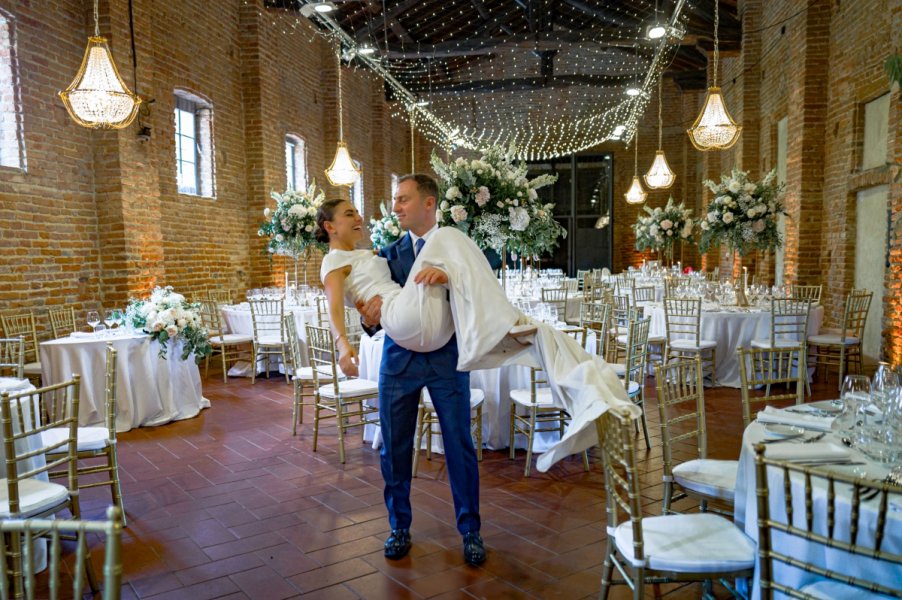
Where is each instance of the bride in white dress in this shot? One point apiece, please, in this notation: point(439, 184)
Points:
point(490, 331)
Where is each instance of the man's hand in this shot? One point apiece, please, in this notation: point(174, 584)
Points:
point(371, 311)
point(431, 276)
point(348, 361)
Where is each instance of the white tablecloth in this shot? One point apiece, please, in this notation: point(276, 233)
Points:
point(731, 329)
point(237, 319)
point(149, 390)
point(745, 514)
point(495, 383)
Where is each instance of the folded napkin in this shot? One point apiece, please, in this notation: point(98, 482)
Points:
point(815, 451)
point(778, 415)
point(12, 384)
point(82, 334)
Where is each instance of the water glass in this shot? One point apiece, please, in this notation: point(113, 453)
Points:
point(856, 390)
point(93, 319)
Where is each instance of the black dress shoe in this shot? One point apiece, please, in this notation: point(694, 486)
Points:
point(398, 544)
point(474, 549)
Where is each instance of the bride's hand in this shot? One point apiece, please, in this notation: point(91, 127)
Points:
point(431, 276)
point(348, 360)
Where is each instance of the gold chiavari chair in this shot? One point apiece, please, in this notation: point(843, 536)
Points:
point(29, 529)
point(643, 294)
point(62, 321)
point(227, 345)
point(767, 368)
point(428, 425)
point(97, 443)
point(12, 357)
point(269, 334)
point(346, 398)
point(681, 407)
point(620, 318)
point(301, 375)
point(713, 275)
point(22, 325)
point(683, 317)
point(634, 369)
point(595, 317)
point(322, 311)
point(836, 350)
point(807, 292)
point(556, 297)
point(24, 418)
point(661, 549)
point(789, 328)
point(581, 275)
point(800, 504)
point(220, 297)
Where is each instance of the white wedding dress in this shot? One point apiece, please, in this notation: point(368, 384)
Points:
point(421, 318)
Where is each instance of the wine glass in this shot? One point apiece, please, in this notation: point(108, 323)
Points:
point(855, 392)
point(93, 319)
point(118, 318)
point(109, 318)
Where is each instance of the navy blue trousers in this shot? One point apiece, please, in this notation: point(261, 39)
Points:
point(399, 397)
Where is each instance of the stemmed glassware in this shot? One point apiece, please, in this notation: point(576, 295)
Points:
point(93, 319)
point(109, 318)
point(855, 392)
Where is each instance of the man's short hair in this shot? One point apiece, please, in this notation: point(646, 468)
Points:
point(426, 185)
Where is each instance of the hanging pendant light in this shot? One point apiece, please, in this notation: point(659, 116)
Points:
point(635, 195)
point(714, 129)
point(342, 171)
point(660, 176)
point(98, 97)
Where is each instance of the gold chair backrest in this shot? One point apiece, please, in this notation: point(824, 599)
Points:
point(681, 406)
point(596, 316)
point(62, 321)
point(112, 407)
point(683, 317)
point(770, 368)
point(831, 517)
point(84, 533)
point(807, 292)
point(210, 317)
point(219, 297)
point(856, 313)
point(581, 275)
point(636, 349)
point(291, 338)
point(30, 413)
point(323, 357)
point(322, 311)
point(22, 325)
point(266, 316)
point(556, 297)
point(579, 334)
point(620, 311)
point(645, 293)
point(789, 320)
point(621, 474)
point(12, 357)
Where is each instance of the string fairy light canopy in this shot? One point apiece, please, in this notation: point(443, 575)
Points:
point(550, 77)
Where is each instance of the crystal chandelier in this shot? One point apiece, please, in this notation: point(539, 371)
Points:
point(635, 195)
point(659, 176)
point(342, 171)
point(97, 97)
point(714, 129)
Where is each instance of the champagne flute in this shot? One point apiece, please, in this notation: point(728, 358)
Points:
point(93, 319)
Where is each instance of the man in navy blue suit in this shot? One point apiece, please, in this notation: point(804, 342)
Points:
point(402, 376)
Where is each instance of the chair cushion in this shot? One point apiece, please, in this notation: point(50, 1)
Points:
point(351, 388)
point(712, 478)
point(230, 338)
point(827, 339)
point(831, 590)
point(306, 374)
point(622, 339)
point(269, 340)
point(523, 397)
point(632, 389)
point(477, 397)
point(89, 438)
point(657, 339)
point(34, 496)
point(619, 368)
point(698, 542)
point(33, 368)
point(778, 343)
point(689, 345)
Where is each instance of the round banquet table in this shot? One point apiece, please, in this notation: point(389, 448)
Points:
point(237, 319)
point(745, 515)
point(150, 390)
point(732, 328)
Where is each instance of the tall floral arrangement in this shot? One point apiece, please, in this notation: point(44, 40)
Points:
point(290, 226)
point(385, 230)
point(743, 214)
point(166, 316)
point(662, 227)
point(492, 200)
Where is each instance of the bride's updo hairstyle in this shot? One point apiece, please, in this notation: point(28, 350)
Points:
point(325, 213)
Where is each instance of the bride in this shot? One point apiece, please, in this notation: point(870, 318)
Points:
point(422, 316)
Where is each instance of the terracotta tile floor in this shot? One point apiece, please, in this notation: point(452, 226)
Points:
point(230, 505)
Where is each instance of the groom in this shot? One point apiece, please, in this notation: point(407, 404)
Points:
point(402, 376)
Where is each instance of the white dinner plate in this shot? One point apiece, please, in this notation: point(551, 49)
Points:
point(778, 430)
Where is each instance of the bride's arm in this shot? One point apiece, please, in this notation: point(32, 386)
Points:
point(334, 285)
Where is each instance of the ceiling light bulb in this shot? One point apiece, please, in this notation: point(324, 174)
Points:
point(618, 131)
point(366, 50)
point(422, 102)
point(656, 31)
point(323, 7)
point(633, 91)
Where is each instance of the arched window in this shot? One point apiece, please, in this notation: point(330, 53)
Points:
point(295, 162)
point(195, 166)
point(12, 144)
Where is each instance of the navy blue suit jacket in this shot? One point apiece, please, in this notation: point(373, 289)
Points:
point(395, 358)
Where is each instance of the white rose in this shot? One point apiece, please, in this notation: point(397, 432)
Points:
point(266, 212)
point(308, 228)
point(728, 217)
point(704, 225)
point(280, 237)
point(444, 205)
point(687, 230)
point(653, 230)
point(533, 194)
point(761, 209)
point(460, 162)
point(182, 323)
point(712, 216)
point(458, 213)
point(666, 224)
point(758, 226)
point(157, 326)
point(734, 186)
point(500, 204)
point(751, 213)
point(452, 193)
point(749, 187)
point(519, 218)
point(172, 331)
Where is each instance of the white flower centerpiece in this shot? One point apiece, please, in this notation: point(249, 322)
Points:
point(386, 230)
point(743, 214)
point(664, 227)
point(167, 316)
point(291, 225)
point(492, 200)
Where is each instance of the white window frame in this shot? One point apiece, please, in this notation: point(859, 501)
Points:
point(357, 190)
point(295, 162)
point(12, 135)
point(200, 181)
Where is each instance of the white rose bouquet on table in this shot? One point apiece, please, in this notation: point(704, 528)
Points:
point(663, 227)
point(386, 230)
point(166, 316)
point(743, 214)
point(492, 200)
point(290, 226)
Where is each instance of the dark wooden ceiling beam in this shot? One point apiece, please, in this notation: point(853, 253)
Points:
point(600, 13)
point(486, 17)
